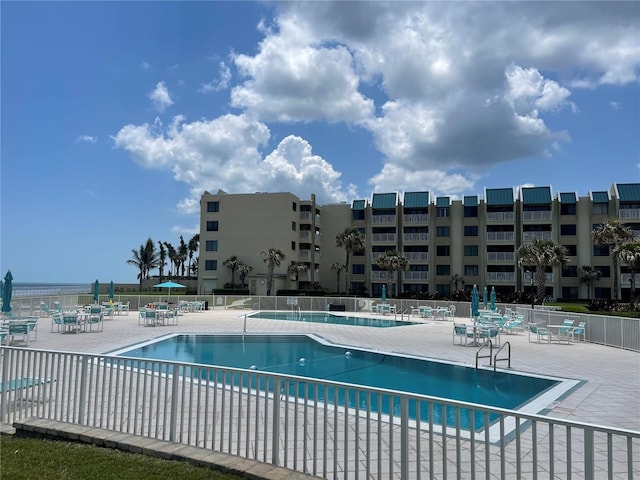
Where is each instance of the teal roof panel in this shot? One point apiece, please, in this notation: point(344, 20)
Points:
point(471, 201)
point(568, 198)
point(536, 196)
point(499, 196)
point(629, 192)
point(358, 204)
point(384, 200)
point(443, 202)
point(416, 199)
point(600, 197)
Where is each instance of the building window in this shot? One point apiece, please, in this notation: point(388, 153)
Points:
point(211, 246)
point(570, 271)
point(212, 226)
point(572, 250)
point(213, 207)
point(442, 212)
point(470, 230)
point(358, 215)
point(210, 264)
point(567, 209)
point(293, 226)
point(569, 229)
point(471, 270)
point(443, 250)
point(470, 250)
point(295, 206)
point(293, 245)
point(471, 212)
point(570, 292)
point(604, 270)
point(600, 209)
point(443, 289)
point(443, 270)
point(443, 231)
point(602, 292)
point(600, 250)
point(357, 269)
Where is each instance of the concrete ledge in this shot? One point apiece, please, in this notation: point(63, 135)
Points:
point(127, 442)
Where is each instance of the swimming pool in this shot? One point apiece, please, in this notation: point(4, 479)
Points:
point(307, 356)
point(322, 317)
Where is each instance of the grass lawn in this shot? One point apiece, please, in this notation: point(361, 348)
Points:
point(30, 458)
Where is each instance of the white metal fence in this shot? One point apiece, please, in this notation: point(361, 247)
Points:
point(301, 424)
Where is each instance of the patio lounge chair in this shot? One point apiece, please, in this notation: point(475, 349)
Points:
point(578, 331)
point(462, 332)
point(539, 333)
point(18, 328)
point(491, 333)
point(56, 321)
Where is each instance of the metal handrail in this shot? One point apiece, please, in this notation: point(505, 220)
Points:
point(496, 359)
point(478, 356)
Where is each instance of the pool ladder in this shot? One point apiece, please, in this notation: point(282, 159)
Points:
point(493, 359)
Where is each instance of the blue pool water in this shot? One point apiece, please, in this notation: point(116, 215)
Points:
point(322, 317)
point(283, 354)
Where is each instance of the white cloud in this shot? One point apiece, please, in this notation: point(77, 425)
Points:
point(145, 66)
point(224, 153)
point(160, 97)
point(221, 84)
point(615, 105)
point(182, 230)
point(87, 139)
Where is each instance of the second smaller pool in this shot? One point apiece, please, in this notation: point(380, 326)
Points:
point(322, 317)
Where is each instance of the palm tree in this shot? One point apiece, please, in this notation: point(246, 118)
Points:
point(611, 234)
point(162, 259)
point(145, 259)
point(338, 267)
point(244, 270)
point(192, 247)
point(183, 251)
point(455, 281)
point(629, 253)
point(589, 275)
point(273, 258)
point(138, 262)
point(232, 263)
point(173, 257)
point(295, 269)
point(392, 262)
point(352, 240)
point(539, 255)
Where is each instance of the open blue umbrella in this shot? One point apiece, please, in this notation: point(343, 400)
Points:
point(485, 298)
point(96, 291)
point(475, 302)
point(7, 290)
point(111, 290)
point(169, 285)
point(493, 299)
point(384, 293)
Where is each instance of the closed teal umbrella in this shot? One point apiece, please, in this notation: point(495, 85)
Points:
point(111, 290)
point(493, 299)
point(96, 291)
point(384, 293)
point(475, 302)
point(7, 290)
point(485, 298)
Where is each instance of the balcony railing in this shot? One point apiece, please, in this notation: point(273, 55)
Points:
point(305, 235)
point(501, 277)
point(500, 216)
point(501, 236)
point(417, 256)
point(416, 275)
point(531, 236)
point(416, 237)
point(629, 213)
point(526, 278)
point(416, 218)
point(378, 276)
point(501, 256)
point(304, 255)
point(536, 216)
point(305, 217)
point(384, 237)
point(377, 219)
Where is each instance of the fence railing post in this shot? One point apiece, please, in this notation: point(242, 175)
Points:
point(173, 417)
point(275, 426)
point(83, 388)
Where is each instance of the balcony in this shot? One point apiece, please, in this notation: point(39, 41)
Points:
point(305, 217)
point(416, 218)
point(625, 280)
point(423, 276)
point(531, 236)
point(526, 278)
point(304, 256)
point(500, 217)
point(383, 238)
point(629, 213)
point(501, 256)
point(501, 277)
point(501, 236)
point(417, 256)
point(416, 237)
point(378, 276)
point(537, 216)
point(383, 219)
point(305, 235)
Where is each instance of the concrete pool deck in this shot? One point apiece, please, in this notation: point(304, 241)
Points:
point(608, 395)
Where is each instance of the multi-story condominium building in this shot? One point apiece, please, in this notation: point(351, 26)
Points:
point(448, 242)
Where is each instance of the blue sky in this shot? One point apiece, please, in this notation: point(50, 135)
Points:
point(116, 116)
